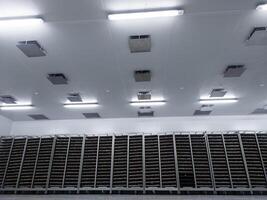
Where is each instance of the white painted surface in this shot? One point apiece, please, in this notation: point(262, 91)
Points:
point(128, 197)
point(5, 126)
point(147, 125)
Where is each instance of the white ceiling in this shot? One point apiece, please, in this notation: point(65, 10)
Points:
point(189, 51)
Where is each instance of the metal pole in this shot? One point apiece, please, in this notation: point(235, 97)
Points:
point(160, 176)
point(262, 162)
point(128, 159)
point(96, 164)
point(192, 159)
point(227, 161)
point(144, 164)
point(66, 163)
point(112, 163)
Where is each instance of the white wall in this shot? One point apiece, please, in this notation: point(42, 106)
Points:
point(5, 126)
point(147, 125)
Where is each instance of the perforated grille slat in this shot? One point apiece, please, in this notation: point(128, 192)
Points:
point(5, 147)
point(43, 161)
point(28, 166)
point(237, 168)
point(219, 161)
point(120, 162)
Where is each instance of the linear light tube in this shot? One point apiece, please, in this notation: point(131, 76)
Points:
point(147, 103)
point(218, 101)
point(81, 105)
point(21, 21)
point(144, 15)
point(16, 107)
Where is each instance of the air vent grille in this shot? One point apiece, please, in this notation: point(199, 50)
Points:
point(259, 111)
point(8, 99)
point(57, 79)
point(74, 97)
point(146, 114)
point(91, 115)
point(140, 43)
point(234, 71)
point(39, 117)
point(142, 75)
point(258, 36)
point(144, 95)
point(31, 48)
point(202, 113)
point(218, 92)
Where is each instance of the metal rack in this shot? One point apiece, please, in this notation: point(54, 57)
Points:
point(173, 163)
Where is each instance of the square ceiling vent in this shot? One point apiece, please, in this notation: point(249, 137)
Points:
point(38, 117)
point(91, 115)
point(142, 76)
point(202, 113)
point(234, 71)
point(140, 43)
point(220, 92)
point(144, 95)
point(8, 99)
point(31, 48)
point(258, 36)
point(57, 79)
point(260, 111)
point(74, 97)
point(145, 114)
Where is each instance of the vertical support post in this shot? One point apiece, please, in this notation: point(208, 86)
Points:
point(227, 161)
point(210, 162)
point(66, 163)
point(192, 158)
point(81, 165)
point(244, 161)
point(262, 162)
point(176, 165)
point(36, 160)
point(128, 159)
point(7, 163)
point(50, 163)
point(112, 164)
point(144, 163)
point(96, 163)
point(160, 176)
point(21, 163)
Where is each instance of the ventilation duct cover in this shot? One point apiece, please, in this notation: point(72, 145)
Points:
point(140, 43)
point(144, 95)
point(234, 71)
point(258, 36)
point(146, 114)
point(206, 108)
point(91, 115)
point(74, 97)
point(31, 48)
point(142, 75)
point(218, 93)
point(8, 99)
point(259, 111)
point(39, 117)
point(57, 79)
point(202, 113)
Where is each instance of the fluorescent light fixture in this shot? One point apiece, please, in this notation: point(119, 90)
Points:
point(262, 7)
point(147, 103)
point(21, 21)
point(218, 100)
point(16, 107)
point(144, 15)
point(81, 105)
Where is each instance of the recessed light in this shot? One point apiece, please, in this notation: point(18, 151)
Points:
point(14, 21)
point(218, 100)
point(181, 88)
point(81, 105)
point(144, 15)
point(261, 7)
point(16, 107)
point(147, 103)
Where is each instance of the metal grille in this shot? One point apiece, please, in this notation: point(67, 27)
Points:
point(176, 163)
